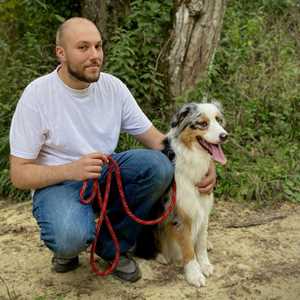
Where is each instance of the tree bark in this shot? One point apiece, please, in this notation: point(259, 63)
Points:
point(105, 14)
point(196, 32)
point(96, 11)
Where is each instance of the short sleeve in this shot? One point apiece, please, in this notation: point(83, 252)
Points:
point(26, 133)
point(134, 121)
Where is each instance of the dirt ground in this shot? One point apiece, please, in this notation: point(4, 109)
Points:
point(256, 254)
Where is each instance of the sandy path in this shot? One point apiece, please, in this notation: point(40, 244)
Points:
point(251, 262)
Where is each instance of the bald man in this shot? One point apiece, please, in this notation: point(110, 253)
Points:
point(65, 125)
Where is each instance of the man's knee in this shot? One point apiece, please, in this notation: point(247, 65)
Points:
point(70, 241)
point(163, 168)
point(158, 168)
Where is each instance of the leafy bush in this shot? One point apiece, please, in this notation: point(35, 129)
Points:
point(256, 75)
point(27, 30)
point(134, 56)
point(135, 49)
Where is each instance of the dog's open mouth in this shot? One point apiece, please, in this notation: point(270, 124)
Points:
point(214, 150)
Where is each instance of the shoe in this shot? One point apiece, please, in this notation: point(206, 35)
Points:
point(127, 269)
point(63, 265)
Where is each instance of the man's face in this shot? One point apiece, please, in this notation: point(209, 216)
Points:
point(83, 54)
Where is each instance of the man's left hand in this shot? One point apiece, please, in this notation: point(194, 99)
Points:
point(207, 184)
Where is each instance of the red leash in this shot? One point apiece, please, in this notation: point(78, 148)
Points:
point(113, 167)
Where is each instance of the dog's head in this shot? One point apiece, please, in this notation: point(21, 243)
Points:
point(200, 125)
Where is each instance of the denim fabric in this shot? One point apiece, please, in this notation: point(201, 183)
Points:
point(68, 227)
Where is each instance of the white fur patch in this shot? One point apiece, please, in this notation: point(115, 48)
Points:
point(193, 274)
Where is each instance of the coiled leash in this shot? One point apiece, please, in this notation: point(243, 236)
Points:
point(96, 194)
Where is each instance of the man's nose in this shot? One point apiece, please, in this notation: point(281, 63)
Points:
point(95, 52)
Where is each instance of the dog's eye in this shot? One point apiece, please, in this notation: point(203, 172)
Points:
point(219, 120)
point(203, 124)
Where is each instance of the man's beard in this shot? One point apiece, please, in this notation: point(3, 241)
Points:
point(81, 76)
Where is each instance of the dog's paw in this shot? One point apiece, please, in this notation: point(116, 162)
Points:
point(193, 274)
point(207, 269)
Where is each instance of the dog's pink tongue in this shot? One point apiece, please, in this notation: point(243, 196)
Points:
point(217, 153)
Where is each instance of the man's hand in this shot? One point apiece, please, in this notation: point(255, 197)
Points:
point(208, 182)
point(88, 166)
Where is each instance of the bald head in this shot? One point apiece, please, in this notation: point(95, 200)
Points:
point(71, 27)
point(79, 51)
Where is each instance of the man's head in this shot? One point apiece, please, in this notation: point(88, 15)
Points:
point(79, 49)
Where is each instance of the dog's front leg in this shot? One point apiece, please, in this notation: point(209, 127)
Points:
point(201, 250)
point(181, 231)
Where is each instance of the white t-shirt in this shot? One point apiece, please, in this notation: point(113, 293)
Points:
point(56, 124)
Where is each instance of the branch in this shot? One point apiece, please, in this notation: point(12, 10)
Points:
point(256, 222)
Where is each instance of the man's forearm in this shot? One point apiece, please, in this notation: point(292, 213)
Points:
point(34, 176)
point(152, 138)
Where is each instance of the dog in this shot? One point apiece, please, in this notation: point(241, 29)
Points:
point(193, 142)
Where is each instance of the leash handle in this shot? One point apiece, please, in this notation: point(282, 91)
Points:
point(96, 194)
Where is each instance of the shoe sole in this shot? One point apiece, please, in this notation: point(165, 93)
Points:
point(128, 277)
point(64, 269)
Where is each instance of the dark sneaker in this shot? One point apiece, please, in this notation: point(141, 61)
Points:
point(63, 265)
point(127, 269)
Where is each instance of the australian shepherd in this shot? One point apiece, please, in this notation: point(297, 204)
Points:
point(192, 144)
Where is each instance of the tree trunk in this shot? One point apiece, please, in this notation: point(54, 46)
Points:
point(196, 32)
point(96, 11)
point(100, 11)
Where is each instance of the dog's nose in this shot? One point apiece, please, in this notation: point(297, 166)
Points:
point(223, 136)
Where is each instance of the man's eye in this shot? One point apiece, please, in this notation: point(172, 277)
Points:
point(82, 47)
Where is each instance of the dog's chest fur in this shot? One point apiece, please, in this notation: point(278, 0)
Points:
point(191, 167)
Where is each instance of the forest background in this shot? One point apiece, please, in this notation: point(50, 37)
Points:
point(255, 73)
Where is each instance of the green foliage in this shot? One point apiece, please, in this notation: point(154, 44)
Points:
point(27, 30)
point(135, 50)
point(256, 75)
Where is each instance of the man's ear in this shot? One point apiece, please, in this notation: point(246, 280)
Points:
point(60, 53)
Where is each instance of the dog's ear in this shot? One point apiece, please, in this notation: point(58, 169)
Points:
point(218, 105)
point(179, 117)
point(182, 113)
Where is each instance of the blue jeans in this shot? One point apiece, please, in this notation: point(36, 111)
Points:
point(68, 227)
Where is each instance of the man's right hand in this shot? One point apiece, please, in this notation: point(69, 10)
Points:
point(88, 166)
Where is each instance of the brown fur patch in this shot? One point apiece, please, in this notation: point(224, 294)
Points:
point(188, 137)
point(181, 234)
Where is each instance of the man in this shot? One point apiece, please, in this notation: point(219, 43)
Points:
point(65, 125)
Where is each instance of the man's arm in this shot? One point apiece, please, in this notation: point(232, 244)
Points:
point(28, 174)
point(152, 138)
